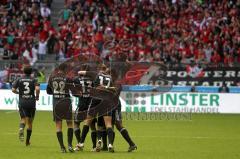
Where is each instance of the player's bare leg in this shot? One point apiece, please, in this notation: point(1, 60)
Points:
point(21, 129)
point(60, 136)
point(110, 133)
point(70, 135)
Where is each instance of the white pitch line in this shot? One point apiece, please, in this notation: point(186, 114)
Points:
point(10, 112)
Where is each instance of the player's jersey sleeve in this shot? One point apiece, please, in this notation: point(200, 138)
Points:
point(16, 84)
point(75, 87)
point(49, 90)
point(119, 89)
point(36, 82)
point(49, 87)
point(69, 84)
point(91, 74)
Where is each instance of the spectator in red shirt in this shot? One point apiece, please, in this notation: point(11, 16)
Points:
point(216, 58)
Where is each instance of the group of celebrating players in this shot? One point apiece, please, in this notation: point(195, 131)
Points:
point(99, 107)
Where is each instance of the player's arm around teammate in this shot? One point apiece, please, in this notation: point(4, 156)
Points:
point(104, 81)
point(85, 83)
point(80, 89)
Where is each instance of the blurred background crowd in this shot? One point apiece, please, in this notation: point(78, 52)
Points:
point(165, 31)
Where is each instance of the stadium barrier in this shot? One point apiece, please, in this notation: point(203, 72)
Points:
point(143, 73)
point(147, 88)
point(139, 101)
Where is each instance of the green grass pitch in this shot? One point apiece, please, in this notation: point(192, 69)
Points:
point(204, 137)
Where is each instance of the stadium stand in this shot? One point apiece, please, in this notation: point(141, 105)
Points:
point(164, 31)
point(25, 26)
point(168, 32)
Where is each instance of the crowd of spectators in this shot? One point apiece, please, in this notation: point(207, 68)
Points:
point(166, 31)
point(24, 29)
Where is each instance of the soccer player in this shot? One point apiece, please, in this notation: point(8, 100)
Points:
point(28, 89)
point(82, 91)
point(117, 117)
point(102, 81)
point(58, 86)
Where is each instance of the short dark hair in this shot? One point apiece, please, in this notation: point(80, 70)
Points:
point(27, 70)
point(85, 67)
point(63, 67)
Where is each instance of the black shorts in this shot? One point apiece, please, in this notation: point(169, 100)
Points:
point(62, 109)
point(100, 122)
point(84, 103)
point(91, 108)
point(99, 110)
point(113, 112)
point(27, 112)
point(109, 113)
point(79, 116)
point(82, 109)
point(94, 121)
point(27, 103)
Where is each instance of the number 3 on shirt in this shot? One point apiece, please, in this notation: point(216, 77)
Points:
point(26, 87)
